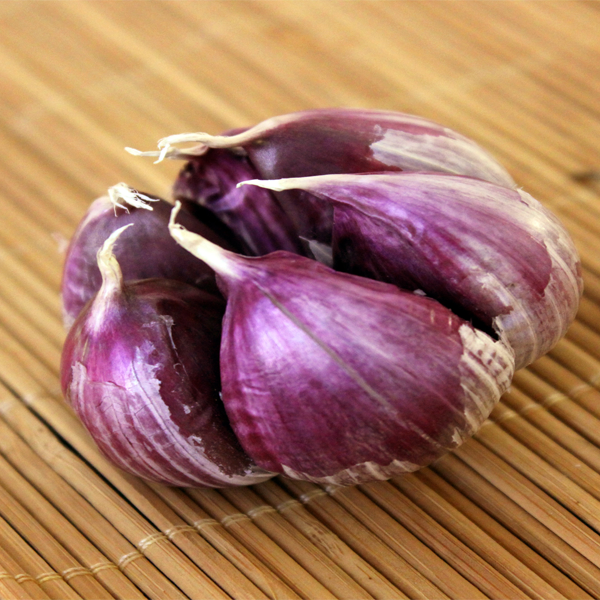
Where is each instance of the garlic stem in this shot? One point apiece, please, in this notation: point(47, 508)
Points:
point(229, 141)
point(206, 140)
point(220, 260)
point(169, 152)
point(112, 279)
point(305, 183)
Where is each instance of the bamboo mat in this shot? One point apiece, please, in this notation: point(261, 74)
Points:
point(514, 513)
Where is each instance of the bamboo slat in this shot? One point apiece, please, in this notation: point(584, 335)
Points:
point(48, 579)
point(80, 578)
point(360, 570)
point(413, 573)
point(67, 534)
point(302, 581)
point(517, 548)
point(513, 513)
point(30, 588)
point(10, 588)
point(481, 574)
point(307, 554)
point(521, 522)
point(93, 525)
point(524, 578)
point(534, 500)
point(258, 572)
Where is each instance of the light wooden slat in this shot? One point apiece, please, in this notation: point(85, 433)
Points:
point(220, 538)
point(31, 589)
point(80, 578)
point(66, 533)
point(481, 574)
point(296, 576)
point(326, 540)
point(523, 523)
point(518, 549)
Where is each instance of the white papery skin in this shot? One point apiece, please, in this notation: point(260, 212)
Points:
point(133, 426)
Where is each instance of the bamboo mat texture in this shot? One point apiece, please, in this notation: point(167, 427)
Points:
point(513, 513)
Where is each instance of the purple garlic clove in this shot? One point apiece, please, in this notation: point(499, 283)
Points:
point(334, 140)
point(491, 254)
point(140, 367)
point(253, 214)
point(147, 251)
point(335, 378)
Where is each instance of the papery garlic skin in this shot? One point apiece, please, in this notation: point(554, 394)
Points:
point(492, 254)
point(143, 252)
point(140, 368)
point(336, 378)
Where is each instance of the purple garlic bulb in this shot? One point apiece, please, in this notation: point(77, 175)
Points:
point(338, 140)
point(147, 251)
point(336, 378)
point(492, 254)
point(140, 367)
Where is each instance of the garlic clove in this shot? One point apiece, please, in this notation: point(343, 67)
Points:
point(335, 378)
point(334, 140)
point(140, 368)
point(147, 251)
point(490, 253)
point(253, 214)
point(341, 140)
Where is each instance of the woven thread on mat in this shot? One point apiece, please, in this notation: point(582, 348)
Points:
point(45, 577)
point(177, 529)
point(128, 558)
point(259, 510)
point(308, 496)
point(229, 519)
point(288, 504)
point(94, 569)
point(144, 544)
point(207, 522)
point(553, 399)
point(75, 572)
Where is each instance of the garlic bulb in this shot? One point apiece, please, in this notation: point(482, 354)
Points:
point(394, 278)
point(493, 254)
point(140, 366)
point(337, 378)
